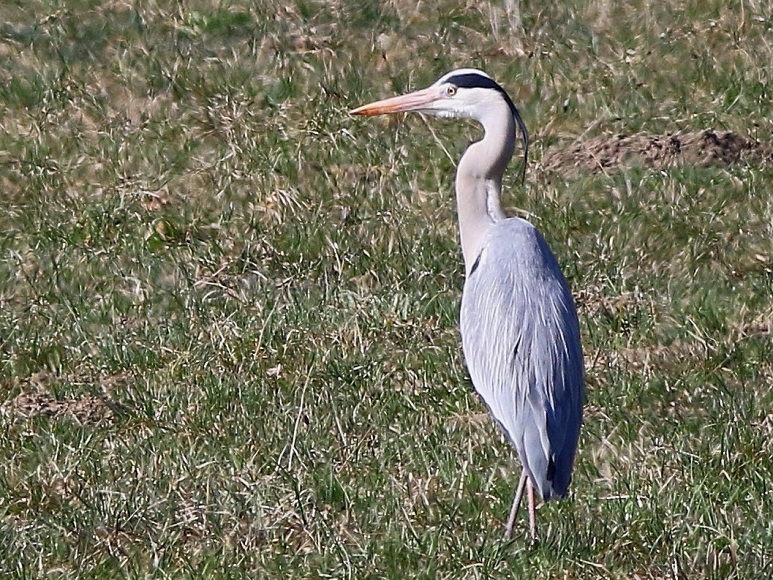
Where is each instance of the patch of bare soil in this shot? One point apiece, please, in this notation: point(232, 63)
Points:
point(86, 410)
point(702, 148)
point(37, 401)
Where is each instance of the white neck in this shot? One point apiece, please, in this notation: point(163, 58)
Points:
point(479, 179)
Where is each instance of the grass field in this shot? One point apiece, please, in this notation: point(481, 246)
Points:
point(228, 309)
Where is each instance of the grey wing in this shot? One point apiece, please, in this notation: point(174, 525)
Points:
point(521, 342)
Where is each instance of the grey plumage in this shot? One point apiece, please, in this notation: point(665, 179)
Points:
point(521, 342)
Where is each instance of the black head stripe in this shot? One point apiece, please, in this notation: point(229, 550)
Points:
point(473, 81)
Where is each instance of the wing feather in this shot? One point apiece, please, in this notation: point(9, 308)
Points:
point(521, 342)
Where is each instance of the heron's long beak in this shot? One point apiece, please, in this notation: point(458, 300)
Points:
point(417, 101)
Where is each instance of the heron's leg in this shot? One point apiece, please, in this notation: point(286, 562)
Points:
point(532, 514)
point(516, 505)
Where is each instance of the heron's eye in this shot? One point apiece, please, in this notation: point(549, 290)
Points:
point(451, 91)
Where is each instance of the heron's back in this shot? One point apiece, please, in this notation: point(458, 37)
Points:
point(521, 342)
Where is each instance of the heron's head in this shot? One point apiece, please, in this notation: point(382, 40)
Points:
point(466, 93)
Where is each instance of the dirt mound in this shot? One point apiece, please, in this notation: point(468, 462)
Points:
point(657, 151)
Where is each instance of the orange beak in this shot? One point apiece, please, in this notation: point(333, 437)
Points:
point(417, 101)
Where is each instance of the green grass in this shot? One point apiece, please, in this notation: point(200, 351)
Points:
point(260, 292)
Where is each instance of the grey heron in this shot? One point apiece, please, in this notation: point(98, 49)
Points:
point(519, 327)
